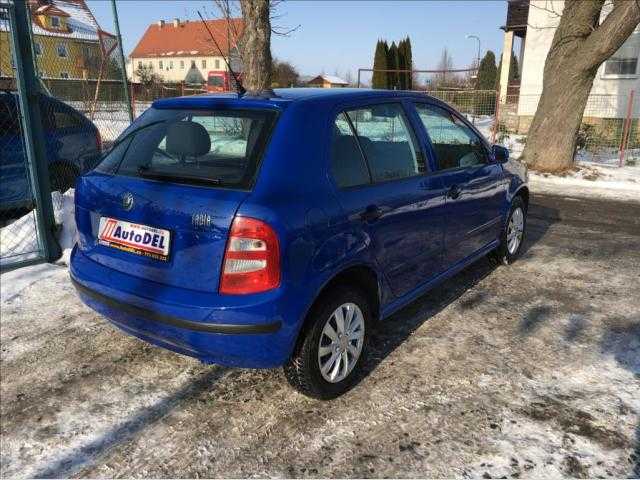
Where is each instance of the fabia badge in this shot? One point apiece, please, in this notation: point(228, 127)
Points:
point(127, 201)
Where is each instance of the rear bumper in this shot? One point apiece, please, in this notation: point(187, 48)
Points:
point(265, 341)
point(151, 315)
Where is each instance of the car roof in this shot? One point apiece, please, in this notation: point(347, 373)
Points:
point(280, 97)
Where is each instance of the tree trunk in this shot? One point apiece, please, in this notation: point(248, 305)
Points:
point(580, 45)
point(256, 45)
point(551, 142)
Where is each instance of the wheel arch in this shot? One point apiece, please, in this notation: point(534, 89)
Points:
point(522, 192)
point(363, 276)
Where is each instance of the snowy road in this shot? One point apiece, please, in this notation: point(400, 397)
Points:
point(531, 370)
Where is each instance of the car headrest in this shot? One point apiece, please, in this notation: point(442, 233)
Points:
point(188, 139)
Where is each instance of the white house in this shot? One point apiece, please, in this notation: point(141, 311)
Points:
point(534, 22)
point(172, 49)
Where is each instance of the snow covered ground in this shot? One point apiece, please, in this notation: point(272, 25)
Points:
point(529, 371)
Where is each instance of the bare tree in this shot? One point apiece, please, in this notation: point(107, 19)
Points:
point(580, 45)
point(253, 42)
point(445, 63)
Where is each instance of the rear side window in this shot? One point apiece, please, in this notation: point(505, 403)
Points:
point(9, 121)
point(374, 144)
point(387, 142)
point(347, 164)
point(455, 144)
point(200, 147)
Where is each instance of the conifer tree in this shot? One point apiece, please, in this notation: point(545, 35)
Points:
point(379, 79)
point(392, 64)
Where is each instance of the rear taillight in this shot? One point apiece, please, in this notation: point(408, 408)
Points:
point(252, 258)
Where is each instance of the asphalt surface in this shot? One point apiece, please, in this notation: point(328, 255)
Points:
point(521, 371)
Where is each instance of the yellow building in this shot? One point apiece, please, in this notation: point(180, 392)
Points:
point(68, 41)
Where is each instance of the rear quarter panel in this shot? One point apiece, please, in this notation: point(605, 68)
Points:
point(294, 195)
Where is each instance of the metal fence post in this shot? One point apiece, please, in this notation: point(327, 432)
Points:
point(29, 95)
point(123, 64)
point(626, 128)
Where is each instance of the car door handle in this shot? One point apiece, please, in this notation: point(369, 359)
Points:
point(454, 192)
point(371, 213)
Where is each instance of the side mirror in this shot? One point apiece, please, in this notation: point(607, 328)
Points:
point(500, 153)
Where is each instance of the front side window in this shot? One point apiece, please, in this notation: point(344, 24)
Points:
point(348, 166)
point(455, 144)
point(387, 142)
point(62, 50)
point(212, 148)
point(625, 60)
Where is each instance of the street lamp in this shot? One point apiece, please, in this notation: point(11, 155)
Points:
point(478, 40)
point(477, 71)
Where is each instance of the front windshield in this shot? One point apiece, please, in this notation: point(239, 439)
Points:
point(216, 81)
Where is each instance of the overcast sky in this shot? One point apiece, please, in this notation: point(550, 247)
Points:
point(341, 35)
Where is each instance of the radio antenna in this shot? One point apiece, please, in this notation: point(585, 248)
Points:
point(240, 89)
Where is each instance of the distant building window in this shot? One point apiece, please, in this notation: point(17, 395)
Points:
point(217, 64)
point(55, 22)
point(139, 64)
point(37, 48)
point(193, 63)
point(64, 74)
point(204, 64)
point(62, 50)
point(625, 60)
point(181, 64)
point(170, 64)
point(160, 65)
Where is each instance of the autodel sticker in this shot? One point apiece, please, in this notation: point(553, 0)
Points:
point(134, 238)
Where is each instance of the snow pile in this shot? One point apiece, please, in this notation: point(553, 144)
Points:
point(593, 176)
point(19, 239)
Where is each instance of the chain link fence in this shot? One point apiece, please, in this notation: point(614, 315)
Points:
point(67, 64)
point(84, 105)
point(19, 238)
point(609, 133)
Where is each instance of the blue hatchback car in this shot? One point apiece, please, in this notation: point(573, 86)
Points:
point(276, 230)
point(72, 142)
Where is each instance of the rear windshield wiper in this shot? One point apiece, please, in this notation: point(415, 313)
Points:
point(146, 172)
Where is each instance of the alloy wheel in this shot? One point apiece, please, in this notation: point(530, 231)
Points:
point(341, 342)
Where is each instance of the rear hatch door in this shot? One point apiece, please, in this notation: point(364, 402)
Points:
point(160, 204)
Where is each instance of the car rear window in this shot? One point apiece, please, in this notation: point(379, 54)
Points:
point(217, 148)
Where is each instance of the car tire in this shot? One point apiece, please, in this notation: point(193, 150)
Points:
point(62, 177)
point(309, 370)
point(513, 234)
